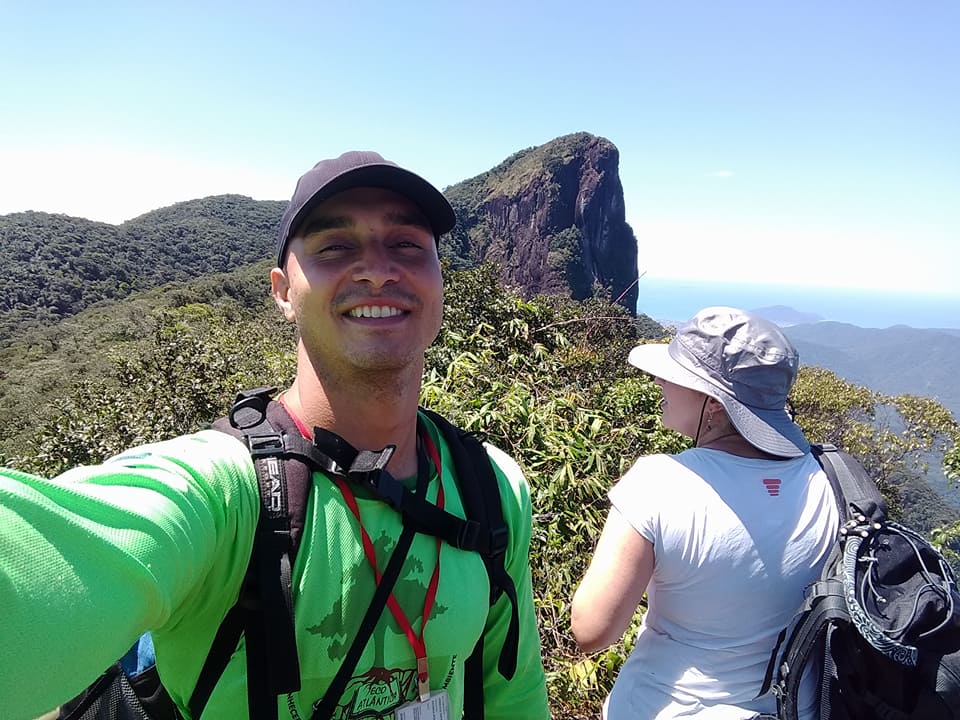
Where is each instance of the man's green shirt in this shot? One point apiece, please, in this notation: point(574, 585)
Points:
point(158, 538)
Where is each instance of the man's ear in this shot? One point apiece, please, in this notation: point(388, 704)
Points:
point(280, 287)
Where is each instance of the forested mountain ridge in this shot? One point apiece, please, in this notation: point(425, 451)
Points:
point(201, 237)
point(54, 266)
point(551, 216)
point(41, 365)
point(893, 360)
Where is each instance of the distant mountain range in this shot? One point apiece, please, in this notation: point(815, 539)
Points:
point(896, 360)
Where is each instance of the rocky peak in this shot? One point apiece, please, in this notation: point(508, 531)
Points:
point(552, 217)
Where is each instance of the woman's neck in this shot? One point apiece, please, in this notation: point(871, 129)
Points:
point(730, 441)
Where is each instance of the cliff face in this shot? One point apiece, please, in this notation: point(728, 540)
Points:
point(553, 218)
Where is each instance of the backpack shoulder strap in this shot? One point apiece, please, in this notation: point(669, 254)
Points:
point(283, 458)
point(264, 610)
point(852, 486)
point(480, 492)
point(859, 503)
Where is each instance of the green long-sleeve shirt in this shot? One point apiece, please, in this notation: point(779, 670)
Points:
point(158, 538)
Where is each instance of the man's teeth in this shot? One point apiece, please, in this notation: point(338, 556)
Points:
point(374, 311)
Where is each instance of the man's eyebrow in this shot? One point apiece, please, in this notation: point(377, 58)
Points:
point(326, 222)
point(414, 218)
point(320, 223)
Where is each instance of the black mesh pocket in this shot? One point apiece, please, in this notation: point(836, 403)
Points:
point(112, 697)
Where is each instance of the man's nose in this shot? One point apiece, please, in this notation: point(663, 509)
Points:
point(375, 266)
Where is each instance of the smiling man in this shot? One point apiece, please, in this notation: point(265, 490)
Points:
point(159, 538)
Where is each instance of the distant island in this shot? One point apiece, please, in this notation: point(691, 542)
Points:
point(785, 316)
point(673, 300)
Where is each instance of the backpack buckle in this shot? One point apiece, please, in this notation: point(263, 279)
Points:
point(385, 486)
point(498, 541)
point(262, 446)
point(250, 408)
point(369, 468)
point(468, 535)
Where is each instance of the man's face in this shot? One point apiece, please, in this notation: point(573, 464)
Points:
point(362, 281)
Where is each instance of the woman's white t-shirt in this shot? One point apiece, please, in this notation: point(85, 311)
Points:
point(736, 541)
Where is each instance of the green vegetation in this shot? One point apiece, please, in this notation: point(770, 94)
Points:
point(56, 266)
point(544, 378)
point(521, 169)
point(40, 366)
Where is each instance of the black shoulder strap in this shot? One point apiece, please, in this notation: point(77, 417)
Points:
point(852, 486)
point(859, 502)
point(284, 463)
point(480, 493)
point(264, 611)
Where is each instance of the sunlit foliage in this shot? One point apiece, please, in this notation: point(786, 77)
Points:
point(545, 379)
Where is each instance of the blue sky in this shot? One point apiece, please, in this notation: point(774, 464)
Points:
point(810, 143)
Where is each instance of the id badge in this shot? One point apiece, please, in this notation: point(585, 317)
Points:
point(435, 707)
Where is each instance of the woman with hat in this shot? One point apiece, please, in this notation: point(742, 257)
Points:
point(723, 537)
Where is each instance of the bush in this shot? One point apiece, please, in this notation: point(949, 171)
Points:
point(545, 379)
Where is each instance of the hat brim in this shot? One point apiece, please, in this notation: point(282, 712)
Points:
point(769, 430)
point(432, 203)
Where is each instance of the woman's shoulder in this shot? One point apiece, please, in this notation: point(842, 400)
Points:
point(664, 462)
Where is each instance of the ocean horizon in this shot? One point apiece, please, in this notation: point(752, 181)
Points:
point(672, 300)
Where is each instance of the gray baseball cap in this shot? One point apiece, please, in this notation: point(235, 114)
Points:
point(361, 169)
point(742, 360)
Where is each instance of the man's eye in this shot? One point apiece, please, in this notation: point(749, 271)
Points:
point(409, 241)
point(332, 247)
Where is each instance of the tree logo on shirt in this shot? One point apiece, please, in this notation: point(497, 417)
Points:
point(380, 690)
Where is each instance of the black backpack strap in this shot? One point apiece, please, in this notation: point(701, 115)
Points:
point(366, 468)
point(480, 493)
point(852, 486)
point(323, 709)
point(264, 611)
point(808, 633)
point(859, 502)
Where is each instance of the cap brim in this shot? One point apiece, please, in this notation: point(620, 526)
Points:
point(431, 201)
point(769, 430)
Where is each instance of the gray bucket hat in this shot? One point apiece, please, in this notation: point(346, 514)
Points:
point(742, 360)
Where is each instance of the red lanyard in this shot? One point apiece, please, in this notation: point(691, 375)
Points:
point(416, 642)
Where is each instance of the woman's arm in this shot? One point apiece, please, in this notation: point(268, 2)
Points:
point(613, 586)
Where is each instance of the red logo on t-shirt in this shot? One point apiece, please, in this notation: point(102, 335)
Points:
point(772, 485)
